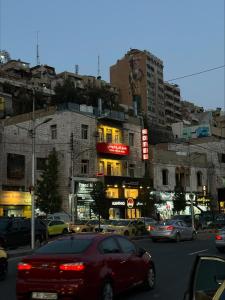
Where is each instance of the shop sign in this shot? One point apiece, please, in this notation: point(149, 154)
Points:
point(15, 198)
point(85, 187)
point(144, 144)
point(130, 202)
point(139, 203)
point(131, 183)
point(109, 148)
point(118, 203)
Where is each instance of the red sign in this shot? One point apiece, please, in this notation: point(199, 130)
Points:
point(130, 202)
point(118, 149)
point(144, 143)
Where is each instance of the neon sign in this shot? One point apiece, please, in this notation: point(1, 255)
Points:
point(144, 144)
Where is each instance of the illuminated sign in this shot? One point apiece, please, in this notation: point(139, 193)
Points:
point(118, 203)
point(109, 148)
point(15, 198)
point(130, 202)
point(144, 144)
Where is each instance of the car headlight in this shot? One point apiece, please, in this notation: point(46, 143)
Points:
point(78, 228)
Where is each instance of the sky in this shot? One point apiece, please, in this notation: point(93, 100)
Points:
point(188, 35)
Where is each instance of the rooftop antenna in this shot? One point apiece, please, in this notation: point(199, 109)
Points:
point(99, 66)
point(37, 57)
point(76, 69)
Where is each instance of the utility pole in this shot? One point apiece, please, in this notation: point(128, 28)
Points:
point(33, 175)
point(191, 195)
point(72, 173)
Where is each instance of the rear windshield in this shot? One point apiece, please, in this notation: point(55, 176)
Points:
point(166, 222)
point(67, 246)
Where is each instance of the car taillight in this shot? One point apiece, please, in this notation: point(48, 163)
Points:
point(169, 227)
point(218, 237)
point(23, 266)
point(72, 267)
point(151, 228)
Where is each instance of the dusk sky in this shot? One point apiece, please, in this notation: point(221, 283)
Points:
point(188, 35)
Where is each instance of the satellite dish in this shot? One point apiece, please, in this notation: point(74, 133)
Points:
point(4, 57)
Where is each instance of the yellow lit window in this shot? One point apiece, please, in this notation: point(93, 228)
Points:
point(112, 193)
point(133, 193)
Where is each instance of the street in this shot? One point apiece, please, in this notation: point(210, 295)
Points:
point(173, 264)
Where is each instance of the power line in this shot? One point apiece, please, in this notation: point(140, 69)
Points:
point(197, 73)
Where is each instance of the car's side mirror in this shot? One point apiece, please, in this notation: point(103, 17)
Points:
point(207, 280)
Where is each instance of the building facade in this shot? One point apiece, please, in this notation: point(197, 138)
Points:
point(90, 148)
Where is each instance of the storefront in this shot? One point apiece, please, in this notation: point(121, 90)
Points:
point(17, 204)
point(123, 193)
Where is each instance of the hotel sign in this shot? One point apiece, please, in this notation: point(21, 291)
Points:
point(109, 148)
point(144, 144)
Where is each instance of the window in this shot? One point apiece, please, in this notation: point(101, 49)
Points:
point(108, 135)
point(109, 169)
point(41, 162)
point(100, 134)
point(101, 167)
point(223, 158)
point(165, 177)
point(84, 166)
point(117, 137)
point(84, 132)
point(117, 169)
point(131, 139)
point(109, 245)
point(199, 178)
point(131, 170)
point(126, 246)
point(53, 132)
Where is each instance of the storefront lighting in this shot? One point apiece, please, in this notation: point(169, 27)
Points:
point(115, 185)
point(123, 186)
point(148, 187)
point(141, 187)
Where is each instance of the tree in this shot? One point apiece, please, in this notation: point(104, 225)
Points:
point(48, 198)
point(179, 201)
point(101, 204)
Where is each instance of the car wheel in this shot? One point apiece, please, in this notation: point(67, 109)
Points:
point(107, 291)
point(194, 236)
point(177, 238)
point(65, 231)
point(126, 233)
point(3, 268)
point(149, 282)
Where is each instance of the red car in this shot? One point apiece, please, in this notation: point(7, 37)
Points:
point(84, 266)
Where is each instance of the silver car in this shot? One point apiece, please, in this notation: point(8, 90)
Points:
point(220, 240)
point(176, 230)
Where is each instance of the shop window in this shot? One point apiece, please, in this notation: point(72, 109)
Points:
point(53, 129)
point(199, 178)
point(117, 169)
point(133, 193)
point(84, 166)
point(109, 135)
point(165, 177)
point(131, 170)
point(112, 193)
point(84, 132)
point(131, 139)
point(40, 163)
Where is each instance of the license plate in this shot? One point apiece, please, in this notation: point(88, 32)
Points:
point(47, 296)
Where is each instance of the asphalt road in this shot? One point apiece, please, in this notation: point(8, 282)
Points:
point(173, 264)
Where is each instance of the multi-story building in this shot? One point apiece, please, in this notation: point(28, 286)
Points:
point(90, 147)
point(139, 77)
point(172, 103)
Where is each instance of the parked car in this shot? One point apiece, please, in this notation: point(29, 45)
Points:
point(84, 266)
point(57, 227)
point(80, 226)
point(176, 230)
point(60, 216)
point(3, 264)
point(220, 240)
point(15, 232)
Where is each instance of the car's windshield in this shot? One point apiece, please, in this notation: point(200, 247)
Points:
point(4, 224)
